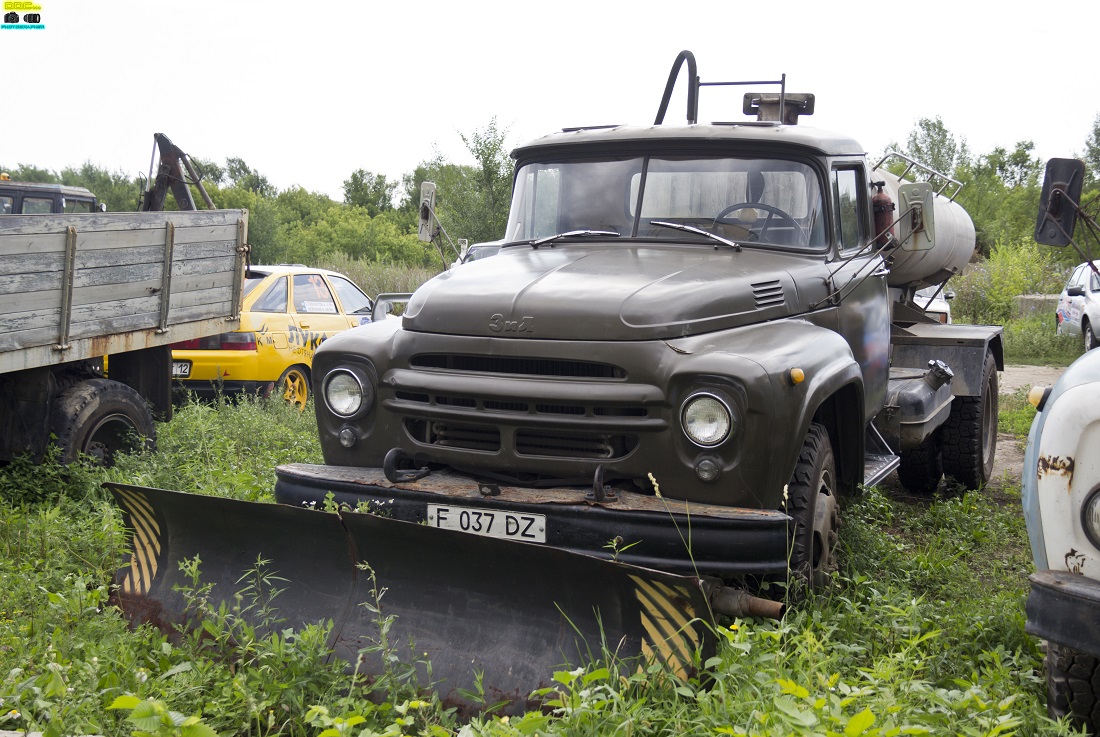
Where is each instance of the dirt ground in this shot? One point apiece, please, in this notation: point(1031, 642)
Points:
point(1010, 450)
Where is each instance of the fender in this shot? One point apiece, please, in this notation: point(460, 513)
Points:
point(774, 349)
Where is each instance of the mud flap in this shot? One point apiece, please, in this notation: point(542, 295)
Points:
point(511, 612)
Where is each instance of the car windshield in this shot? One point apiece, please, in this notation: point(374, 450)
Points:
point(774, 202)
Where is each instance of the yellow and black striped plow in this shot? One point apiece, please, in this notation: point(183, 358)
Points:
point(513, 612)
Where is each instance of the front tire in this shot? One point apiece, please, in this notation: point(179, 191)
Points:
point(1089, 336)
point(970, 433)
point(1073, 686)
point(101, 418)
point(812, 505)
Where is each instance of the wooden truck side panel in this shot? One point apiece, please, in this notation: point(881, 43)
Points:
point(76, 287)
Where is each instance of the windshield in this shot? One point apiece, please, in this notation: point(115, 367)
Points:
point(753, 201)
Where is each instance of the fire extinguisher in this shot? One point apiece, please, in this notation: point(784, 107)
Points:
point(883, 208)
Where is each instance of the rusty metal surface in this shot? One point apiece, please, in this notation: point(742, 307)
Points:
point(509, 611)
point(1055, 465)
point(454, 485)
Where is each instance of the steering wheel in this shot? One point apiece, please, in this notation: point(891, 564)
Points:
point(773, 212)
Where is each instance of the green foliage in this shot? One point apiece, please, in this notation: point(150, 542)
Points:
point(241, 175)
point(886, 651)
point(225, 449)
point(1034, 340)
point(1015, 413)
point(373, 192)
point(376, 278)
point(985, 292)
point(471, 200)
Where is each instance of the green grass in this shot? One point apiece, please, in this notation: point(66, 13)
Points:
point(921, 633)
point(1033, 341)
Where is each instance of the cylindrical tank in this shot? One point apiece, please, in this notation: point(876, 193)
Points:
point(951, 251)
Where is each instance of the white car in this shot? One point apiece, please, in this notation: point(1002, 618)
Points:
point(933, 301)
point(1079, 305)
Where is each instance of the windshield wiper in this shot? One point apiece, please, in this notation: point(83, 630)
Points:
point(698, 231)
point(569, 234)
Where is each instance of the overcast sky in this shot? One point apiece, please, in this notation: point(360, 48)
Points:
point(308, 92)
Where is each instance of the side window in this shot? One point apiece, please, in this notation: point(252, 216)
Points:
point(72, 205)
point(847, 194)
point(274, 299)
point(1095, 282)
point(351, 297)
point(37, 206)
point(7, 204)
point(311, 295)
point(1075, 277)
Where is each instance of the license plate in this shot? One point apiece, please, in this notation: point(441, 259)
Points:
point(181, 369)
point(489, 522)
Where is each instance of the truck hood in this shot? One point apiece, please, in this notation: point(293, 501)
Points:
point(616, 292)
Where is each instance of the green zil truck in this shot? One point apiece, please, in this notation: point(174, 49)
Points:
point(694, 342)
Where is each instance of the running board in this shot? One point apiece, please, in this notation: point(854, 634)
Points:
point(879, 461)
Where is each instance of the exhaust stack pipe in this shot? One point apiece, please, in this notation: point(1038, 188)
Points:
point(740, 603)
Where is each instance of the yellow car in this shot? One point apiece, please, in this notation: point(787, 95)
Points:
point(287, 311)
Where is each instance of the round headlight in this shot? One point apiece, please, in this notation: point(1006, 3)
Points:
point(1090, 517)
point(343, 393)
point(706, 420)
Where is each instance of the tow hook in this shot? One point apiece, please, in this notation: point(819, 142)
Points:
point(396, 475)
point(740, 603)
point(600, 493)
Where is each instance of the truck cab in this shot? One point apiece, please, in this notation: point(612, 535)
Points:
point(31, 198)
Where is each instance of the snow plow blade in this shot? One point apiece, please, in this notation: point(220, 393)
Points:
point(512, 612)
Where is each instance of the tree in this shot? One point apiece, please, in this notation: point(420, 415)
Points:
point(240, 175)
point(370, 191)
point(118, 191)
point(28, 173)
point(1092, 151)
point(931, 144)
point(471, 200)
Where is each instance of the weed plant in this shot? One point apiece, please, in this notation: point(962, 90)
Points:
point(1034, 341)
point(225, 448)
point(985, 292)
point(1015, 413)
point(921, 632)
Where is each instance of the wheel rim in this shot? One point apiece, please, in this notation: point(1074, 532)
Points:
point(296, 389)
point(826, 515)
point(110, 435)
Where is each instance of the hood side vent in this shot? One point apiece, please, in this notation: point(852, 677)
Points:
point(768, 294)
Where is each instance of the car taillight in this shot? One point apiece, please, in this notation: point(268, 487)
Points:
point(222, 342)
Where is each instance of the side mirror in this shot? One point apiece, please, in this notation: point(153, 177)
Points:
point(918, 223)
point(102, 207)
point(1075, 291)
point(948, 294)
point(1058, 202)
point(425, 231)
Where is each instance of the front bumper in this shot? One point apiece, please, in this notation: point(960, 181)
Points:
point(1064, 608)
point(653, 532)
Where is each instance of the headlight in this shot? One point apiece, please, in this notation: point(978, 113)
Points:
point(1090, 517)
point(346, 394)
point(706, 420)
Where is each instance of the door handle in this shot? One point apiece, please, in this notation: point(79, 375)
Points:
point(305, 325)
